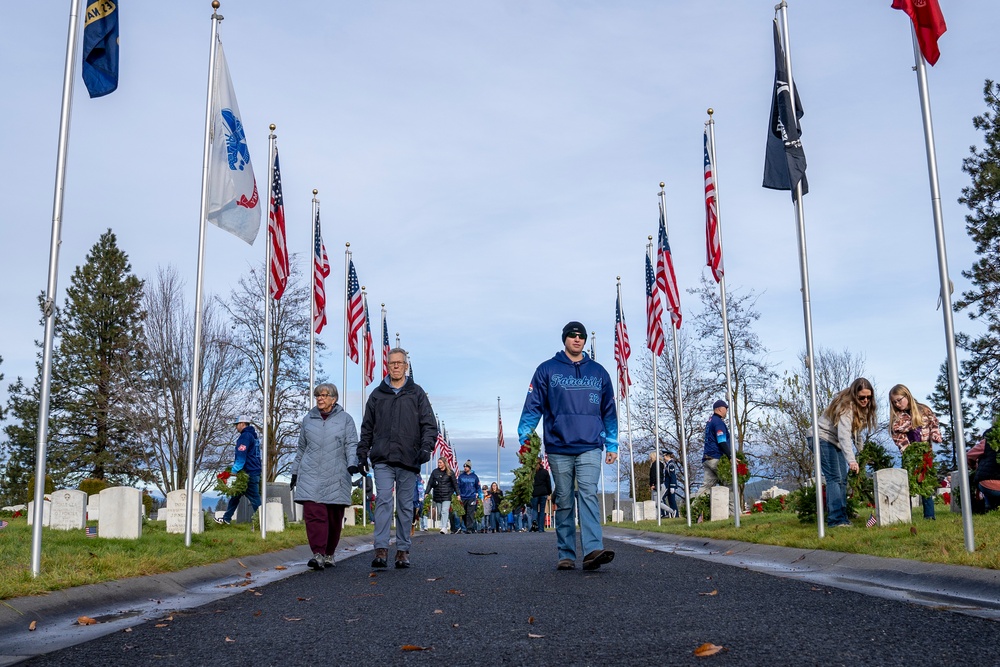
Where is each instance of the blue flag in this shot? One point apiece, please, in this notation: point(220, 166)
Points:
point(100, 47)
point(784, 159)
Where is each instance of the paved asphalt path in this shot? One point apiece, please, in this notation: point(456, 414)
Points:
point(498, 600)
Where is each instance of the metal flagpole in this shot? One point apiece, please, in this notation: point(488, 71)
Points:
point(49, 311)
point(954, 389)
point(397, 339)
point(681, 432)
point(312, 301)
point(618, 462)
point(727, 348)
point(499, 435)
point(385, 371)
point(271, 150)
point(604, 497)
point(347, 264)
point(196, 360)
point(656, 415)
point(364, 350)
point(628, 415)
point(800, 229)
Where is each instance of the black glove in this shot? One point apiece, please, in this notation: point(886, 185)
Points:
point(363, 467)
point(425, 455)
point(352, 470)
point(291, 485)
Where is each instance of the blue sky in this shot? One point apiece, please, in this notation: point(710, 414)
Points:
point(495, 166)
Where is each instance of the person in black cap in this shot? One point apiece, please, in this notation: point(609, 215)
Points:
point(574, 396)
point(716, 444)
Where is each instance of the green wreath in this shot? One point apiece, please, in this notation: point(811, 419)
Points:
point(725, 470)
point(228, 485)
point(918, 460)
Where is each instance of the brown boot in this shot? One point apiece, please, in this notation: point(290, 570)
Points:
point(381, 558)
point(402, 559)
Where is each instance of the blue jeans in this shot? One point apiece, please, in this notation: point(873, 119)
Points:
point(992, 497)
point(538, 512)
point(497, 521)
point(583, 469)
point(406, 483)
point(252, 495)
point(833, 463)
point(928, 504)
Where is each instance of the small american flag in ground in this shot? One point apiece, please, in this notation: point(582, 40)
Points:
point(872, 521)
point(3, 524)
point(701, 518)
point(91, 531)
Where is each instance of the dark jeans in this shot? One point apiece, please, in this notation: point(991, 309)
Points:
point(252, 495)
point(928, 504)
point(992, 497)
point(323, 526)
point(470, 513)
point(538, 511)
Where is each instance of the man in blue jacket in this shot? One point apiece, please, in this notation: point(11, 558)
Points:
point(716, 444)
point(573, 395)
point(247, 460)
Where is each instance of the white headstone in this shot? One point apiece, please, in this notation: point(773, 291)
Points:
point(275, 515)
point(176, 504)
point(69, 510)
point(617, 516)
point(647, 510)
point(892, 496)
point(93, 507)
point(46, 512)
point(121, 513)
point(955, 482)
point(720, 503)
point(349, 515)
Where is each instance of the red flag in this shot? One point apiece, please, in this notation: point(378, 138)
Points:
point(929, 23)
point(369, 348)
point(622, 350)
point(276, 229)
point(355, 316)
point(321, 269)
point(713, 235)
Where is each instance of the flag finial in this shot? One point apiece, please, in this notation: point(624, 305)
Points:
point(618, 277)
point(711, 111)
point(272, 126)
point(315, 192)
point(216, 4)
point(649, 238)
point(662, 184)
point(348, 244)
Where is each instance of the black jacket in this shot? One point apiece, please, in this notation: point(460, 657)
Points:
point(398, 429)
point(543, 483)
point(443, 485)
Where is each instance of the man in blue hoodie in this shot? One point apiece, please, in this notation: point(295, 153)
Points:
point(717, 445)
point(247, 460)
point(574, 397)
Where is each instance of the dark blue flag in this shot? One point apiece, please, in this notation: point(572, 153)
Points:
point(784, 159)
point(100, 47)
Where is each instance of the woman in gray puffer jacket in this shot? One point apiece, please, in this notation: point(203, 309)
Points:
point(320, 478)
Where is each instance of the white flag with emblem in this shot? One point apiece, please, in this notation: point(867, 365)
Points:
point(233, 202)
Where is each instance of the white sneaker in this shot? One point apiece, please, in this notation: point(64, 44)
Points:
point(445, 531)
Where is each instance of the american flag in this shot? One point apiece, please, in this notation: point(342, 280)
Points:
point(545, 462)
point(713, 236)
point(385, 347)
point(499, 428)
point(872, 521)
point(355, 315)
point(369, 347)
point(665, 279)
point(321, 269)
point(654, 313)
point(276, 229)
point(701, 518)
point(444, 450)
point(622, 349)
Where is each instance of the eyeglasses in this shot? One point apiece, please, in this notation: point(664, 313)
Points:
point(577, 335)
point(324, 395)
point(397, 363)
point(898, 399)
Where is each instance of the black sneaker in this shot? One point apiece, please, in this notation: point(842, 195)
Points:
point(597, 558)
point(221, 521)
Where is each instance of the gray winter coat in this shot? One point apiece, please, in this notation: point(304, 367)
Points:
point(327, 447)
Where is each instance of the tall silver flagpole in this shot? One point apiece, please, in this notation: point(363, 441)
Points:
point(397, 339)
point(681, 432)
point(50, 291)
point(656, 412)
point(382, 329)
point(954, 389)
point(628, 414)
point(347, 265)
point(499, 433)
point(196, 360)
point(800, 229)
point(272, 149)
point(364, 350)
point(727, 348)
point(312, 301)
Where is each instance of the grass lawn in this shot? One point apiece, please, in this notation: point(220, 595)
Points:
point(69, 558)
point(939, 541)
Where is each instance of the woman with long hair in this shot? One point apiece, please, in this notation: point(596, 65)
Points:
point(497, 518)
point(909, 422)
point(442, 485)
point(840, 426)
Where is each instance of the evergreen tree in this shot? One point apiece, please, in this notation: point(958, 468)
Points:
point(982, 368)
point(100, 334)
point(940, 402)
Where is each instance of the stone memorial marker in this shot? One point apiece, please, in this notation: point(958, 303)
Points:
point(275, 515)
point(46, 511)
point(68, 510)
point(892, 496)
point(617, 516)
point(176, 504)
point(647, 510)
point(349, 514)
point(93, 507)
point(121, 513)
point(720, 503)
point(955, 482)
point(280, 491)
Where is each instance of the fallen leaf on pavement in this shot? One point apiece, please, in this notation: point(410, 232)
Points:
point(414, 647)
point(707, 649)
point(241, 564)
point(291, 618)
point(258, 594)
point(729, 553)
point(714, 591)
point(231, 641)
point(169, 618)
point(280, 567)
point(85, 620)
point(127, 630)
point(372, 575)
point(248, 575)
point(454, 625)
point(531, 636)
point(454, 591)
point(650, 551)
point(531, 620)
point(436, 579)
point(161, 625)
point(438, 611)
point(258, 612)
point(483, 553)
point(32, 626)
point(303, 599)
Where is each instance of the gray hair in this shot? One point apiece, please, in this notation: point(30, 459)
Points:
point(328, 388)
point(399, 350)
